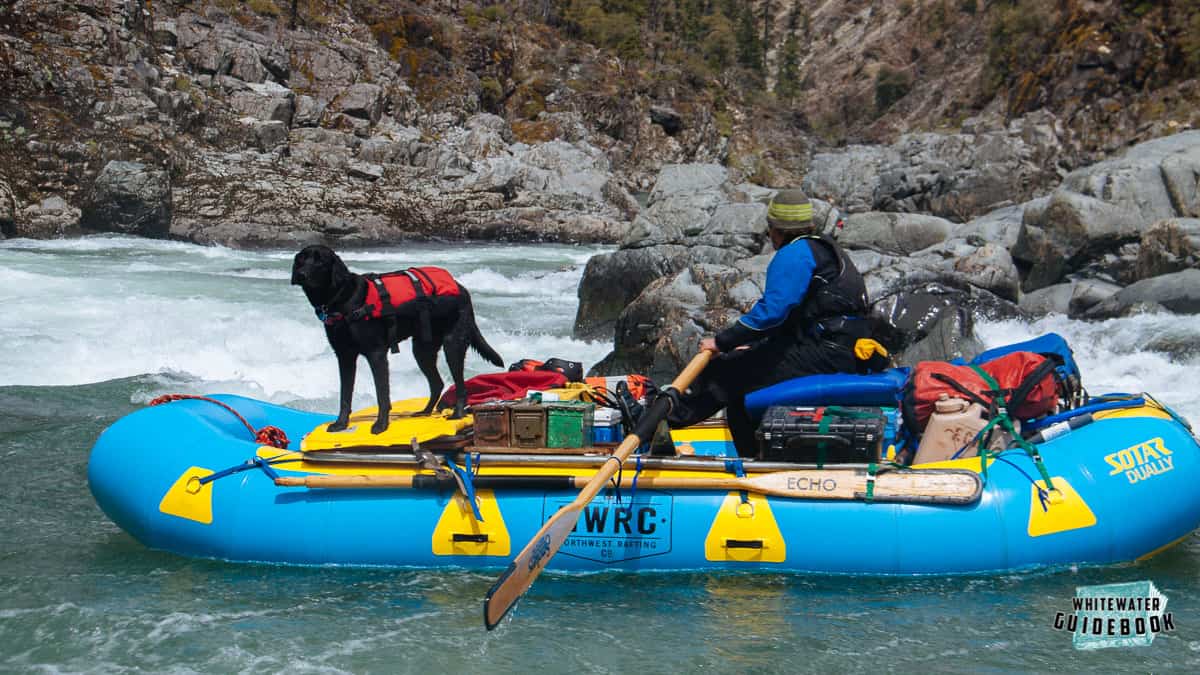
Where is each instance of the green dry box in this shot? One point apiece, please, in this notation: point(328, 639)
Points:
point(569, 424)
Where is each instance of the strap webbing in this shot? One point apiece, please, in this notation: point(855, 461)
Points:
point(822, 429)
point(735, 467)
point(466, 481)
point(422, 299)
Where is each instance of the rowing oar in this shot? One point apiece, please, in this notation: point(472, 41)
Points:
point(532, 559)
point(939, 486)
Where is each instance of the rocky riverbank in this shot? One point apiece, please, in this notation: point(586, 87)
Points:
point(1115, 238)
point(212, 126)
point(358, 123)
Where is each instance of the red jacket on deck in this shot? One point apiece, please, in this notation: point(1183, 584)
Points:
point(400, 287)
point(508, 386)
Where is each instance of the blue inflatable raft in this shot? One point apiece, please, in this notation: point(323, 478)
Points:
point(188, 477)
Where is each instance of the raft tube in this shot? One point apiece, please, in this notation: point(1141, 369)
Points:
point(1110, 475)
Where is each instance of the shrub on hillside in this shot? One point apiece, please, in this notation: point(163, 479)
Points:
point(891, 85)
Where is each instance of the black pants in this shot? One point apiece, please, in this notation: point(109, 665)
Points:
point(730, 376)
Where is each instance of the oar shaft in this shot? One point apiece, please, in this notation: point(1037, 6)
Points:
point(425, 482)
point(836, 484)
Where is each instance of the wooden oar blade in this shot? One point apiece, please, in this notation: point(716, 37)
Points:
point(528, 564)
point(537, 553)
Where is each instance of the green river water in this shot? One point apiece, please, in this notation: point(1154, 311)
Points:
point(94, 328)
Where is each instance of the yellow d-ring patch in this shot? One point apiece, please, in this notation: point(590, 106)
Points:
point(188, 498)
point(745, 532)
point(458, 533)
point(1065, 509)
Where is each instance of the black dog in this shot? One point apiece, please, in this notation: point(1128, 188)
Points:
point(433, 321)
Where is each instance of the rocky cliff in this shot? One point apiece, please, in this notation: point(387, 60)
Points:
point(1115, 238)
point(1008, 156)
point(358, 121)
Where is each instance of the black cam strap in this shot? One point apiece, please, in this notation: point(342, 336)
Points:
point(422, 299)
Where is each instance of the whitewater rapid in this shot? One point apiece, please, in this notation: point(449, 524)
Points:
point(205, 319)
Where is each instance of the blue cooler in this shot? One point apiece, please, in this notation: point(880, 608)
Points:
point(606, 426)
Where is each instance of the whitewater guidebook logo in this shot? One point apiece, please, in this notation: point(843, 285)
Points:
point(1115, 615)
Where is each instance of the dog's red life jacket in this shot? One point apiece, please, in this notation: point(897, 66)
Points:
point(387, 292)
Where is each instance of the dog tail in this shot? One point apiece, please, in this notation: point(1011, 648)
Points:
point(480, 345)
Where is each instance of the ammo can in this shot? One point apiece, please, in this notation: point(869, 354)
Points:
point(528, 425)
point(569, 424)
point(493, 423)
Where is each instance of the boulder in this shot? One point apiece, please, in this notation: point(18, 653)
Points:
point(308, 112)
point(365, 170)
point(896, 233)
point(1065, 232)
point(363, 100)
point(1170, 245)
point(849, 178)
point(1072, 298)
point(51, 217)
point(955, 176)
point(130, 198)
point(991, 268)
point(687, 179)
point(265, 102)
point(1177, 292)
point(1099, 208)
point(1001, 226)
point(658, 332)
point(667, 118)
point(268, 135)
point(612, 280)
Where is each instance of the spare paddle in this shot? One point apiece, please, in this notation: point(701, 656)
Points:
point(929, 486)
point(532, 559)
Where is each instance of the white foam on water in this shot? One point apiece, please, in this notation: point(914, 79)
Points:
point(217, 319)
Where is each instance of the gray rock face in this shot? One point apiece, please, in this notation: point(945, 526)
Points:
point(1177, 292)
point(269, 135)
point(849, 178)
point(52, 217)
point(308, 112)
point(658, 333)
point(1102, 207)
point(694, 217)
point(1170, 245)
point(1072, 298)
point(131, 198)
point(678, 180)
point(1001, 226)
point(612, 280)
point(265, 102)
point(8, 211)
point(362, 100)
point(955, 176)
point(896, 233)
point(696, 259)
